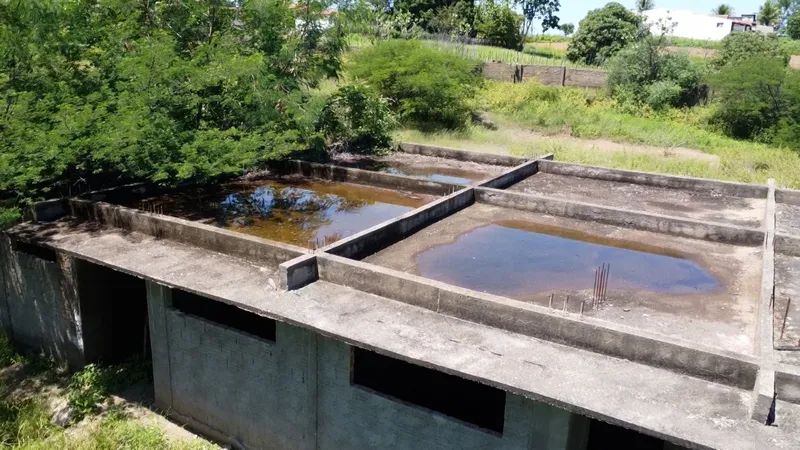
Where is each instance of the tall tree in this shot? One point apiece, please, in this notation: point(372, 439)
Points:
point(722, 10)
point(535, 10)
point(644, 5)
point(567, 28)
point(769, 13)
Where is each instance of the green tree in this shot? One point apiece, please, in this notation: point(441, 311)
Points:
point(722, 10)
point(355, 120)
point(769, 13)
point(425, 86)
point(644, 5)
point(793, 26)
point(499, 24)
point(538, 10)
point(567, 28)
point(603, 33)
point(424, 12)
point(736, 48)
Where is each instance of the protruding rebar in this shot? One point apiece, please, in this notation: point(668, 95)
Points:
point(550, 302)
point(583, 303)
point(566, 302)
point(785, 315)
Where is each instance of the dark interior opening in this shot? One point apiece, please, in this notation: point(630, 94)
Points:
point(223, 314)
point(604, 436)
point(46, 254)
point(113, 314)
point(465, 400)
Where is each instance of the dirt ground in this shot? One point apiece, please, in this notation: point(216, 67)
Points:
point(724, 318)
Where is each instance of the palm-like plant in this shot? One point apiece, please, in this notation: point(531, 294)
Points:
point(769, 13)
point(722, 10)
point(644, 5)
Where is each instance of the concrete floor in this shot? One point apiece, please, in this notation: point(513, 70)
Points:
point(706, 206)
point(724, 318)
point(787, 218)
point(421, 166)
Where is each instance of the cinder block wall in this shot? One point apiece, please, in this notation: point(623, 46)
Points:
point(547, 75)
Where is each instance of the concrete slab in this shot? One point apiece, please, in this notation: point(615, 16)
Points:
point(422, 166)
point(725, 318)
point(788, 218)
point(706, 206)
point(787, 286)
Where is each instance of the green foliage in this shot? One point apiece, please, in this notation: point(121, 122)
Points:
point(430, 14)
point(8, 355)
point(647, 74)
point(736, 48)
point(769, 13)
point(567, 28)
point(22, 421)
point(499, 23)
point(793, 26)
point(426, 86)
point(538, 10)
point(759, 100)
point(603, 33)
point(355, 120)
point(90, 387)
point(547, 38)
point(98, 92)
point(644, 5)
point(722, 9)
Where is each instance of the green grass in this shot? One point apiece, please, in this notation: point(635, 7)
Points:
point(489, 53)
point(546, 52)
point(547, 38)
point(590, 114)
point(791, 46)
point(699, 43)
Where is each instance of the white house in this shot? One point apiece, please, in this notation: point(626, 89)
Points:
point(691, 25)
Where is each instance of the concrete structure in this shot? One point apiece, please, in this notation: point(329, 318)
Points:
point(266, 345)
point(546, 75)
point(689, 24)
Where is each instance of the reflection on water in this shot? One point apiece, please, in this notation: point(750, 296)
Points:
point(519, 259)
point(300, 212)
point(428, 172)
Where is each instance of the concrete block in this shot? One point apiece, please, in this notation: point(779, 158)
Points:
point(786, 244)
point(787, 383)
point(512, 176)
point(620, 217)
point(298, 272)
point(546, 75)
point(387, 233)
point(655, 179)
point(499, 71)
point(47, 211)
point(585, 78)
point(462, 155)
point(787, 196)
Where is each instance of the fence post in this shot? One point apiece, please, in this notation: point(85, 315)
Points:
point(563, 76)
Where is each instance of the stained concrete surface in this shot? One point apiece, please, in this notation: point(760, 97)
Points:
point(724, 318)
point(680, 408)
point(787, 218)
point(706, 206)
point(786, 313)
point(421, 166)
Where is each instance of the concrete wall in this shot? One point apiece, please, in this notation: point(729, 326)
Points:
point(295, 393)
point(585, 78)
point(500, 71)
point(546, 75)
point(40, 304)
point(462, 155)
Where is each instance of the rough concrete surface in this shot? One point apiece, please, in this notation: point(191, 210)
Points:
point(787, 313)
point(705, 206)
point(788, 218)
point(463, 155)
point(724, 319)
point(416, 165)
point(678, 408)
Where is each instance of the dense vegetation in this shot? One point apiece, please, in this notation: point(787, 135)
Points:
point(603, 33)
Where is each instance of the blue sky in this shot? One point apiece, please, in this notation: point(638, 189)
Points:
point(575, 10)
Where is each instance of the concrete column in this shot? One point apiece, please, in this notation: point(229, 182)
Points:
point(557, 429)
point(5, 317)
point(159, 299)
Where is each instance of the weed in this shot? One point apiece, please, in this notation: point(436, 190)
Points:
point(90, 387)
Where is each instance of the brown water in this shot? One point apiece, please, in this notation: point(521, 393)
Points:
point(519, 259)
point(425, 171)
point(296, 211)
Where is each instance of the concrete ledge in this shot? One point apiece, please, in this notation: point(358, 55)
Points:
point(387, 233)
point(298, 272)
point(620, 217)
point(512, 176)
point(47, 211)
point(531, 320)
point(250, 248)
point(787, 196)
point(764, 391)
point(787, 383)
point(380, 179)
point(787, 244)
point(462, 155)
point(655, 179)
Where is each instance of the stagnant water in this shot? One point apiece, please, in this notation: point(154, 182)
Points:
point(296, 211)
point(520, 259)
point(428, 172)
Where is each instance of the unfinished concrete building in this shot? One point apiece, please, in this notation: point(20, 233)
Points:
point(432, 298)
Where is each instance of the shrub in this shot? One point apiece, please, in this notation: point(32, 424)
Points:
point(603, 33)
point(426, 87)
point(356, 120)
point(499, 24)
point(793, 26)
point(739, 47)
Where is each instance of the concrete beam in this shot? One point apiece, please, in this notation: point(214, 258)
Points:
point(620, 217)
point(47, 211)
point(250, 248)
point(462, 155)
point(387, 233)
point(298, 272)
point(787, 244)
point(655, 179)
point(764, 391)
point(511, 176)
point(532, 320)
point(380, 179)
point(787, 196)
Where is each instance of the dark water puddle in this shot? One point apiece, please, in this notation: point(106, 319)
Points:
point(520, 259)
point(300, 212)
point(429, 172)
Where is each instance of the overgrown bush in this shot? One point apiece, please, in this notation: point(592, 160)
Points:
point(355, 120)
point(426, 87)
point(603, 33)
point(90, 387)
point(793, 26)
point(759, 100)
point(647, 74)
point(736, 48)
point(499, 23)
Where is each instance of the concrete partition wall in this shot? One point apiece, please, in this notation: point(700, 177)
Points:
point(462, 155)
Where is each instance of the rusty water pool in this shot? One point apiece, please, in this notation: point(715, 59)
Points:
point(294, 210)
point(520, 259)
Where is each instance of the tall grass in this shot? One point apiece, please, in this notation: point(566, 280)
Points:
point(487, 53)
